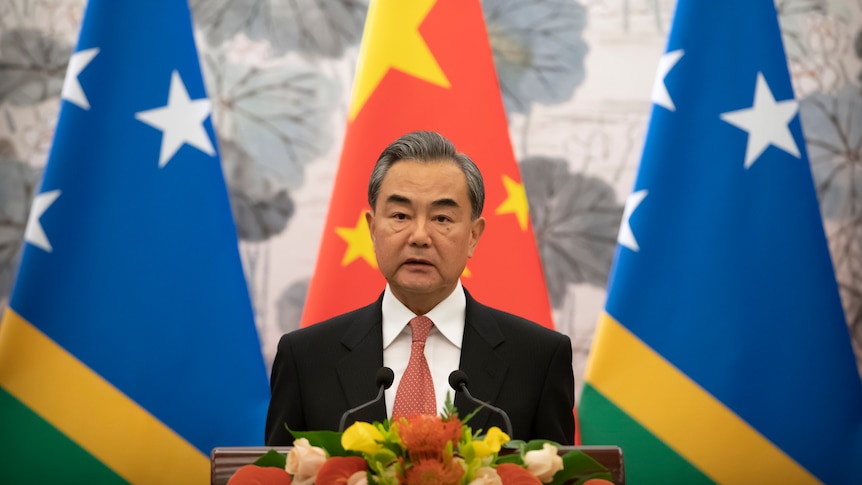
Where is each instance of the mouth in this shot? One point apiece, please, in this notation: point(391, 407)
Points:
point(417, 262)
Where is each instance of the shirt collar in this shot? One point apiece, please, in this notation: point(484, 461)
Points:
point(448, 316)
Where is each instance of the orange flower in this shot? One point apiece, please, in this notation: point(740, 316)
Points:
point(432, 472)
point(259, 475)
point(425, 436)
point(512, 474)
point(338, 469)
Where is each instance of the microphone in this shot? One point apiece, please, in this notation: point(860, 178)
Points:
point(383, 378)
point(458, 381)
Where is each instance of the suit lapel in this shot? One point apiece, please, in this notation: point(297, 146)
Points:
point(364, 341)
point(484, 368)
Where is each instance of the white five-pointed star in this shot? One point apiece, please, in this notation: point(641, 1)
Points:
point(34, 234)
point(181, 121)
point(660, 96)
point(72, 91)
point(766, 123)
point(626, 237)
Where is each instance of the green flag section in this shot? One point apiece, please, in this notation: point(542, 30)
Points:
point(663, 409)
point(723, 340)
point(87, 409)
point(644, 455)
point(129, 345)
point(43, 454)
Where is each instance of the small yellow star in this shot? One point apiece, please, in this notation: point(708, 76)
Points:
point(359, 243)
point(391, 40)
point(516, 202)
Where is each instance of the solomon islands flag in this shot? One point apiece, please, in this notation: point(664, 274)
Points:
point(129, 348)
point(723, 355)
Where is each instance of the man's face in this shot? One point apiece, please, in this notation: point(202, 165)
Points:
point(422, 231)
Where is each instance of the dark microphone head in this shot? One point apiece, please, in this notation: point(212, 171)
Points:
point(384, 377)
point(457, 379)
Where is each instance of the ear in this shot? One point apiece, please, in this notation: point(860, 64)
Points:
point(369, 220)
point(477, 227)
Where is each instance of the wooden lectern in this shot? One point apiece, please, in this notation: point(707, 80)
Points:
point(225, 461)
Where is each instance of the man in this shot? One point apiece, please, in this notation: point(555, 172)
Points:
point(425, 221)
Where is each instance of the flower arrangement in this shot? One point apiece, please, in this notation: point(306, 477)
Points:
point(421, 449)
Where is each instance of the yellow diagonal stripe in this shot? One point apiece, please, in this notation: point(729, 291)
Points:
point(682, 414)
point(92, 412)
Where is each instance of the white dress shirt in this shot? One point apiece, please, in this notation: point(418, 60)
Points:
point(442, 349)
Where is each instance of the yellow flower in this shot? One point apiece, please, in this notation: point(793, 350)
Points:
point(362, 437)
point(491, 444)
point(496, 438)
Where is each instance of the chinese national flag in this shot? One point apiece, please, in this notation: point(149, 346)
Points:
point(427, 65)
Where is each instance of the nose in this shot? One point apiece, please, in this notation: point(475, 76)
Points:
point(419, 236)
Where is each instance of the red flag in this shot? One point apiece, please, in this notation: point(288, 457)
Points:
point(427, 65)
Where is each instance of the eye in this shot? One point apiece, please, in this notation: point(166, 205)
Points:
point(441, 218)
point(399, 216)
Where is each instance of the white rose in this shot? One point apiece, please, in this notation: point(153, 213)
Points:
point(544, 463)
point(358, 478)
point(304, 461)
point(486, 476)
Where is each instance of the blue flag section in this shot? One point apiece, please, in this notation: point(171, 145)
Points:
point(724, 355)
point(130, 339)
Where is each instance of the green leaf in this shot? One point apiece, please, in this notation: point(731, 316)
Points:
point(514, 458)
point(449, 409)
point(272, 458)
point(538, 445)
point(579, 466)
point(514, 444)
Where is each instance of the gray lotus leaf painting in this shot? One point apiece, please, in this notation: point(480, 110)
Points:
point(833, 128)
point(538, 49)
point(290, 305)
point(259, 210)
point(575, 218)
point(278, 114)
point(857, 47)
point(32, 66)
point(18, 184)
point(312, 27)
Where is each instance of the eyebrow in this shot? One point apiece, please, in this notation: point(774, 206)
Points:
point(400, 199)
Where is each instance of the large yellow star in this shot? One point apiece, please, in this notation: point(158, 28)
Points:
point(516, 202)
point(391, 40)
point(359, 243)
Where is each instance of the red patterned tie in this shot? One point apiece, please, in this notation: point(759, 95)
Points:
point(415, 393)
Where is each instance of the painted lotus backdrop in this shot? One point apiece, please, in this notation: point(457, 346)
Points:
point(576, 78)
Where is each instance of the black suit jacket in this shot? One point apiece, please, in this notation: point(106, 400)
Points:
point(323, 370)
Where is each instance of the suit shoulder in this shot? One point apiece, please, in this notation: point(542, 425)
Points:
point(506, 318)
point(337, 325)
point(516, 325)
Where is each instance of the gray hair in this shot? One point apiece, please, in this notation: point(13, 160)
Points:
point(428, 146)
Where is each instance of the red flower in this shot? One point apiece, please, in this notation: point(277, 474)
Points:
point(512, 474)
point(425, 436)
point(259, 475)
point(337, 469)
point(432, 472)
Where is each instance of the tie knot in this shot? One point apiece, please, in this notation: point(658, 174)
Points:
point(421, 327)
